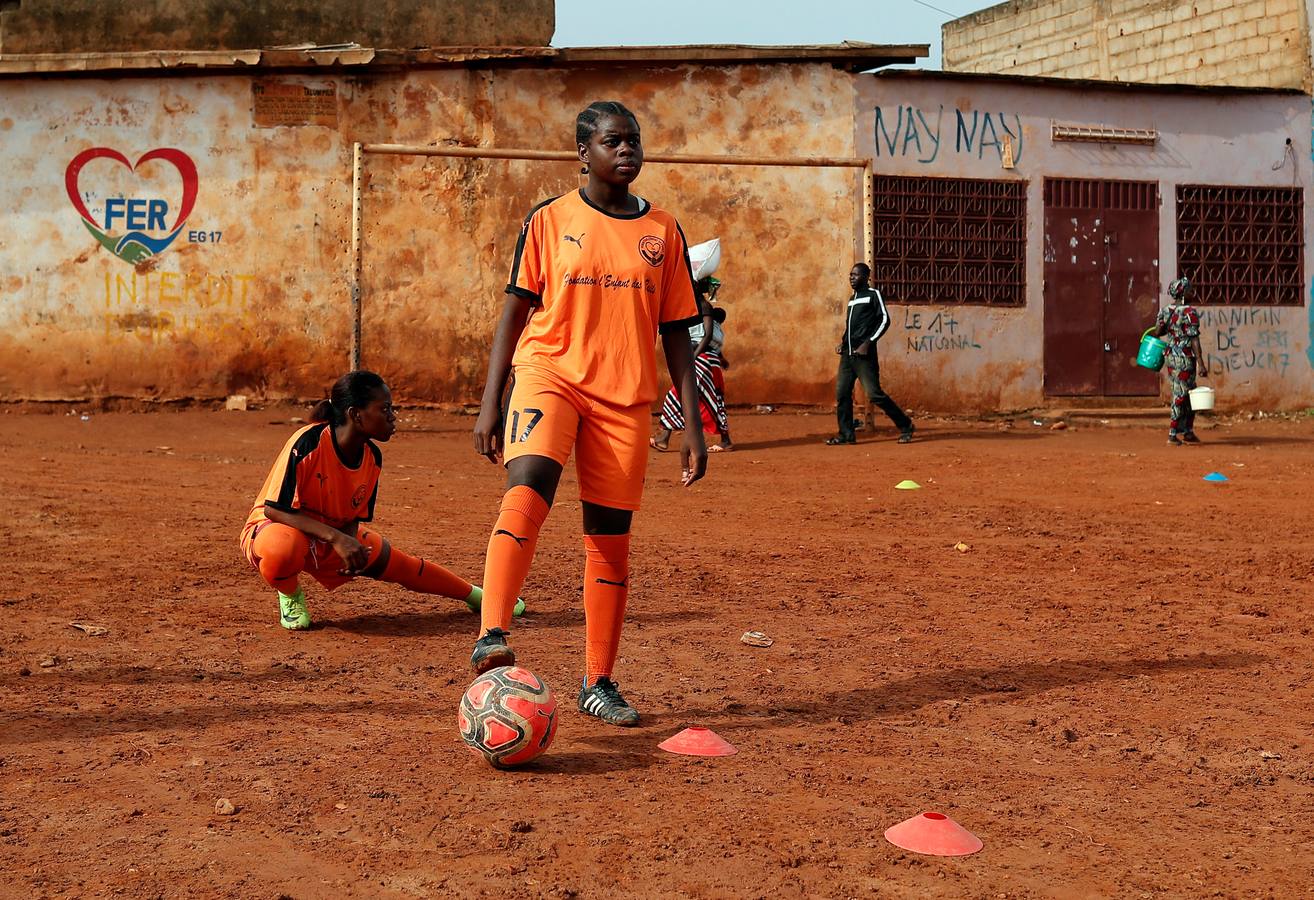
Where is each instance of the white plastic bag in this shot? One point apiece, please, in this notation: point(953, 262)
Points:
point(705, 257)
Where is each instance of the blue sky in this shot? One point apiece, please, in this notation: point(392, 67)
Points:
point(594, 24)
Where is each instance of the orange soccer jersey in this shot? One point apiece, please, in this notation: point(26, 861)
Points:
point(311, 477)
point(602, 286)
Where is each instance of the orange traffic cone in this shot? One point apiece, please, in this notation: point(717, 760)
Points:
point(933, 833)
point(695, 741)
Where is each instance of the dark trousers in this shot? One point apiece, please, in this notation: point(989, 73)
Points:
point(854, 368)
point(1181, 377)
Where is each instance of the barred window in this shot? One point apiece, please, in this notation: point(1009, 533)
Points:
point(950, 240)
point(1242, 246)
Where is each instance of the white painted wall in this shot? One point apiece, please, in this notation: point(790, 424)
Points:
point(1262, 358)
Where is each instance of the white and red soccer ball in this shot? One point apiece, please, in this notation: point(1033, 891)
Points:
point(508, 716)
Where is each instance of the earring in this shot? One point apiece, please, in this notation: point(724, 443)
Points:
point(584, 169)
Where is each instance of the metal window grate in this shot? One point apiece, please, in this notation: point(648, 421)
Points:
point(1242, 246)
point(1074, 193)
point(950, 240)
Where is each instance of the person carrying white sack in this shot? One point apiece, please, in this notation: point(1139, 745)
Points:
point(710, 363)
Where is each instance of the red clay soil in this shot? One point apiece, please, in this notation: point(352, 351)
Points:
point(1111, 686)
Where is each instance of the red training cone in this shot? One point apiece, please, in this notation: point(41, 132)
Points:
point(933, 833)
point(697, 741)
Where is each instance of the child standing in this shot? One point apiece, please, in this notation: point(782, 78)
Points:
point(598, 274)
point(1178, 324)
point(308, 515)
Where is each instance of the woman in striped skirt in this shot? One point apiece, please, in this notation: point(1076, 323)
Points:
point(709, 372)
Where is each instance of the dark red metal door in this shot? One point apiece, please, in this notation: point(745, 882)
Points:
point(1074, 293)
point(1101, 285)
point(1131, 299)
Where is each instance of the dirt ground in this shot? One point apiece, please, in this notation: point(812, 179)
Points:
point(1111, 686)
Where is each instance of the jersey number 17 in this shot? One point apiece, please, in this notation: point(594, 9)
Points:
point(533, 417)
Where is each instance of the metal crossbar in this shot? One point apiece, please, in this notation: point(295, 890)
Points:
point(359, 150)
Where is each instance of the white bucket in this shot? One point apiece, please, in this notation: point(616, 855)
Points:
point(1202, 398)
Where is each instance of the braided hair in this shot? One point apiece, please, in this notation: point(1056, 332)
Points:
point(353, 389)
point(586, 123)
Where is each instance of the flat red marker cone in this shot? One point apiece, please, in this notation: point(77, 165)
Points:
point(935, 834)
point(697, 741)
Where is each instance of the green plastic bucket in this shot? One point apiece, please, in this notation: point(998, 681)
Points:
point(1150, 355)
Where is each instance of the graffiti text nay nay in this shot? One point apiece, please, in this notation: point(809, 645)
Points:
point(909, 131)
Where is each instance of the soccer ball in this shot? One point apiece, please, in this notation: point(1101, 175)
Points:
point(508, 716)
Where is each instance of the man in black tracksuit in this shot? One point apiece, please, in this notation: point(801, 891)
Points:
point(865, 321)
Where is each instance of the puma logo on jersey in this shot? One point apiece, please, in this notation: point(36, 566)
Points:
point(577, 241)
point(520, 541)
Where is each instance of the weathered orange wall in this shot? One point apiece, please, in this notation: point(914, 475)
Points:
point(441, 231)
point(97, 26)
point(266, 309)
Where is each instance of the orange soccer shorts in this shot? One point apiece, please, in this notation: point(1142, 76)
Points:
point(293, 552)
point(545, 417)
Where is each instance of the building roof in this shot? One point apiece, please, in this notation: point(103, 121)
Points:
point(852, 56)
point(299, 57)
point(1048, 81)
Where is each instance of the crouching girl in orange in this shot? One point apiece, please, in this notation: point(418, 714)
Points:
point(308, 516)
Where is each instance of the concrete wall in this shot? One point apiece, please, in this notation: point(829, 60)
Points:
point(1255, 43)
point(1225, 139)
point(93, 26)
point(252, 295)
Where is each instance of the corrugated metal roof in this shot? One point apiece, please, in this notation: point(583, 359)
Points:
point(1048, 81)
point(852, 56)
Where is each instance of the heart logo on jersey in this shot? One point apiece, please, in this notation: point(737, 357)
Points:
point(652, 249)
point(139, 215)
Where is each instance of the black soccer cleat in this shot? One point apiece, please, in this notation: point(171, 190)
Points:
point(491, 652)
point(906, 436)
point(603, 700)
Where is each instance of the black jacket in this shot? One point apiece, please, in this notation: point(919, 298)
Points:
point(865, 320)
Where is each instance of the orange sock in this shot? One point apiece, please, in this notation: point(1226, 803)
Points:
point(510, 551)
point(425, 576)
point(606, 588)
point(389, 564)
point(280, 555)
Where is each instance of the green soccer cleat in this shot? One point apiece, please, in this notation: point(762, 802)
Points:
point(293, 614)
point(476, 600)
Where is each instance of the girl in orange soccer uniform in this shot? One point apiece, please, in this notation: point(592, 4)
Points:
point(308, 516)
point(598, 273)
